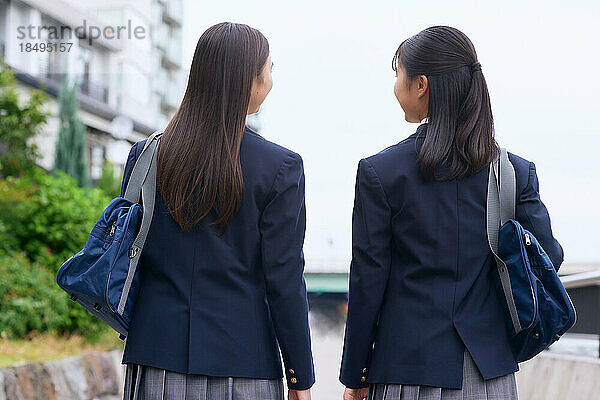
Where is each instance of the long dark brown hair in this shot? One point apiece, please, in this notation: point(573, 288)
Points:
point(198, 165)
point(460, 133)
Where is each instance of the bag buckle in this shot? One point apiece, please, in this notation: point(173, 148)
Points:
point(133, 251)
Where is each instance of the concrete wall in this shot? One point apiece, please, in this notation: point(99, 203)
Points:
point(552, 376)
point(98, 376)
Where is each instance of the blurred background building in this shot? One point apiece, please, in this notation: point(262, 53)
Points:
point(137, 79)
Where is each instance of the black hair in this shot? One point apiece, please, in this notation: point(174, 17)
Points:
point(460, 132)
point(198, 162)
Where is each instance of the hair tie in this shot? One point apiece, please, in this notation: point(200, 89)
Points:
point(476, 66)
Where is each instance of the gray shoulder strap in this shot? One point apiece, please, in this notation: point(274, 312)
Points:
point(141, 183)
point(501, 200)
point(507, 188)
point(141, 168)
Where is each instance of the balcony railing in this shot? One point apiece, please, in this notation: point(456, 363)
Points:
point(160, 84)
point(170, 101)
point(94, 89)
point(160, 36)
point(172, 57)
point(173, 12)
point(86, 86)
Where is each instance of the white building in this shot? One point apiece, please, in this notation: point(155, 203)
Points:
point(125, 56)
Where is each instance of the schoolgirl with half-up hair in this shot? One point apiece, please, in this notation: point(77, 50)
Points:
point(424, 319)
point(459, 110)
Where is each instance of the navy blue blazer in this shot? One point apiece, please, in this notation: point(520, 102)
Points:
point(421, 277)
point(221, 305)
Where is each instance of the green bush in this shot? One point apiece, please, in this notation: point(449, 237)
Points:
point(108, 182)
point(8, 243)
point(31, 301)
point(49, 217)
point(44, 220)
point(30, 298)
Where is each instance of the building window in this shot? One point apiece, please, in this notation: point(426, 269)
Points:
point(96, 161)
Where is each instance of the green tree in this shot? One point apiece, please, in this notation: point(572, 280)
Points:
point(108, 182)
point(19, 122)
point(70, 156)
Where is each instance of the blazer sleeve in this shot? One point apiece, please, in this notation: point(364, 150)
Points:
point(369, 273)
point(533, 216)
point(282, 228)
point(131, 158)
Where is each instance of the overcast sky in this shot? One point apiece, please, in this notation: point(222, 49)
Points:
point(333, 103)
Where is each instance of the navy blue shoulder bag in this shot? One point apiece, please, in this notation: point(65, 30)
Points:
point(103, 277)
point(538, 308)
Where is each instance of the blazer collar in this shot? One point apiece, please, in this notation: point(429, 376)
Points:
point(248, 130)
point(421, 131)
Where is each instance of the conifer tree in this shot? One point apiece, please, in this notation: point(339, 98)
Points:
point(71, 147)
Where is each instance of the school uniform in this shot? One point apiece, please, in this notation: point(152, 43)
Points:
point(423, 310)
point(215, 310)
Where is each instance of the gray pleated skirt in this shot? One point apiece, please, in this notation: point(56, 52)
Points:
point(144, 382)
point(473, 388)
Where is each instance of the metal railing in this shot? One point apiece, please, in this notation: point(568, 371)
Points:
point(171, 58)
point(583, 289)
point(160, 36)
point(581, 279)
point(173, 12)
point(87, 86)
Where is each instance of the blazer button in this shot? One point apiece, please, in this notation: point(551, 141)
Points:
point(364, 370)
point(294, 380)
point(291, 371)
point(363, 379)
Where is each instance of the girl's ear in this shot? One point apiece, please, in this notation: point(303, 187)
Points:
point(423, 84)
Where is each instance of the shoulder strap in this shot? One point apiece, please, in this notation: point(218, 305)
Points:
point(508, 186)
point(141, 168)
point(501, 200)
point(142, 182)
